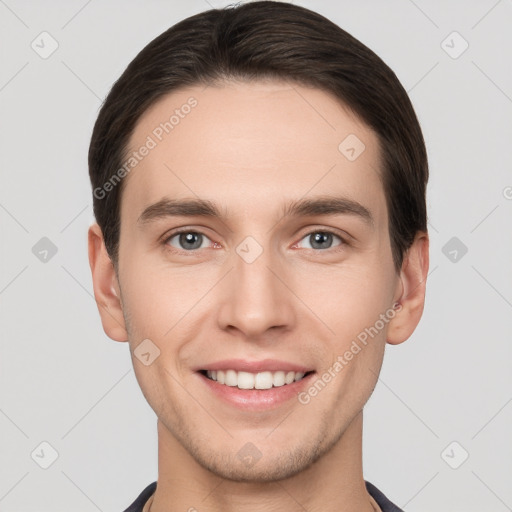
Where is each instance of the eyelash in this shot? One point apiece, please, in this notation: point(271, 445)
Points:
point(167, 238)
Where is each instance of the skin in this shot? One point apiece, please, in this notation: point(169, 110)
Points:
point(252, 148)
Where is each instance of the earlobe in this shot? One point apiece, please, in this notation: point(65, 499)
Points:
point(106, 287)
point(413, 277)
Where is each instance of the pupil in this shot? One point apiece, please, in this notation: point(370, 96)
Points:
point(190, 240)
point(321, 240)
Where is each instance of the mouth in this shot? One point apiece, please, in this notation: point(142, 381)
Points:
point(255, 387)
point(254, 381)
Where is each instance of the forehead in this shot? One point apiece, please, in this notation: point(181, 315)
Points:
point(248, 146)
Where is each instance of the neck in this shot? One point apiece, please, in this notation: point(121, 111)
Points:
point(334, 483)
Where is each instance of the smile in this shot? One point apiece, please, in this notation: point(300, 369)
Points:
point(253, 386)
point(248, 380)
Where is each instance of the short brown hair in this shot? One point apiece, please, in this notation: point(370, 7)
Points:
point(267, 40)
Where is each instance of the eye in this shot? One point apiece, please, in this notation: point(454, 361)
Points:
point(320, 240)
point(188, 241)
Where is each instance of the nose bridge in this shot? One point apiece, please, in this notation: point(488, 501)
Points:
point(256, 300)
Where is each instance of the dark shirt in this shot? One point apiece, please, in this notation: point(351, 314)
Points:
point(382, 501)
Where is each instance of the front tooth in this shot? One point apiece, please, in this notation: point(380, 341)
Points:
point(231, 379)
point(221, 377)
point(299, 375)
point(278, 379)
point(245, 380)
point(263, 380)
point(290, 376)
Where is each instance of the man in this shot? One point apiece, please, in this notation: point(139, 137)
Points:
point(259, 187)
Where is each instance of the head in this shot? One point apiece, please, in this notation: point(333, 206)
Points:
point(259, 181)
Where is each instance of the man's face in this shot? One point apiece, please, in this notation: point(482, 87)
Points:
point(264, 287)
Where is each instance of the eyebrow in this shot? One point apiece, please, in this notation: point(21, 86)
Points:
point(322, 205)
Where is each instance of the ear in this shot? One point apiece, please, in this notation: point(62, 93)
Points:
point(106, 287)
point(414, 279)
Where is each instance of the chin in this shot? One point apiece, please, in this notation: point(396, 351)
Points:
point(250, 465)
point(260, 471)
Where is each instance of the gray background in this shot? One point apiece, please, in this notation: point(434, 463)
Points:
point(63, 382)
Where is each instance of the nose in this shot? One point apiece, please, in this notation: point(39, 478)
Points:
point(256, 297)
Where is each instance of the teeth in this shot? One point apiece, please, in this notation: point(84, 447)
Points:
point(231, 378)
point(247, 380)
point(278, 379)
point(263, 380)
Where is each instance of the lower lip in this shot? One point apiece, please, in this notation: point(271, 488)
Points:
point(257, 399)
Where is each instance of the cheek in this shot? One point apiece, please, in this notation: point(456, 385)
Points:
point(157, 297)
point(357, 312)
point(347, 298)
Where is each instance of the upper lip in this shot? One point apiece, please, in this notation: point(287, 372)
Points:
point(265, 365)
